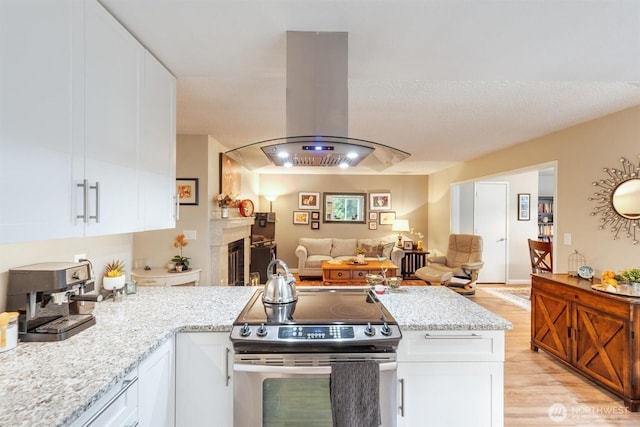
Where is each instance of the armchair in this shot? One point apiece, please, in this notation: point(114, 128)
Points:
point(462, 261)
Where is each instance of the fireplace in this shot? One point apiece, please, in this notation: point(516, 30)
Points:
point(223, 232)
point(236, 263)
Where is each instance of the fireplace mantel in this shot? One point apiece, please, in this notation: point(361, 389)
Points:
point(223, 231)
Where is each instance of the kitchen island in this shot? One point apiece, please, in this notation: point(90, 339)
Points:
point(55, 383)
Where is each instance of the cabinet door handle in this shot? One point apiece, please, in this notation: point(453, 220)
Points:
point(126, 384)
point(401, 407)
point(97, 188)
point(177, 207)
point(85, 200)
point(452, 337)
point(228, 377)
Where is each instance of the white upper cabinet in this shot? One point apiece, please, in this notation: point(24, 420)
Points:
point(157, 154)
point(87, 125)
point(38, 83)
point(114, 66)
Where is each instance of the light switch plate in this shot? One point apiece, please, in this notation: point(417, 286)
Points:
point(190, 234)
point(567, 238)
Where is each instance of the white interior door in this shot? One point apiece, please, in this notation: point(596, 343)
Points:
point(490, 222)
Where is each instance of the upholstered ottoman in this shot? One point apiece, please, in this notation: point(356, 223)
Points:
point(434, 276)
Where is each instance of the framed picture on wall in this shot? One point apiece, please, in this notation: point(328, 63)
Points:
point(524, 206)
point(308, 200)
point(187, 190)
point(373, 225)
point(373, 216)
point(315, 225)
point(300, 217)
point(386, 218)
point(379, 201)
point(315, 216)
point(230, 179)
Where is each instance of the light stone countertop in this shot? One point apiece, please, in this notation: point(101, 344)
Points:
point(53, 383)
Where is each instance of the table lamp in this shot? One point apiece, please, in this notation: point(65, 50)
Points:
point(400, 225)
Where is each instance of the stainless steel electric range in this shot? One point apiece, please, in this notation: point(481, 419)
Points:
point(321, 320)
point(285, 355)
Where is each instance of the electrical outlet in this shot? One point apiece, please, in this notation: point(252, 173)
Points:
point(78, 257)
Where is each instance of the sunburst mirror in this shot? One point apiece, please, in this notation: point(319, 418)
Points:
point(618, 200)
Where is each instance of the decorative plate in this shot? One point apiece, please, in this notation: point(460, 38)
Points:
point(585, 272)
point(246, 208)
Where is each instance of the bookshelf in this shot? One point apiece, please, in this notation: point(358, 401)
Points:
point(545, 218)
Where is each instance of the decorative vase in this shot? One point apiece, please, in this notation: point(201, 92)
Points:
point(419, 247)
point(179, 267)
point(111, 283)
point(224, 212)
point(360, 258)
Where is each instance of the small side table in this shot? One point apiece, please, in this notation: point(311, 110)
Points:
point(162, 277)
point(412, 261)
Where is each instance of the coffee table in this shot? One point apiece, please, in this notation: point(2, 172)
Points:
point(347, 273)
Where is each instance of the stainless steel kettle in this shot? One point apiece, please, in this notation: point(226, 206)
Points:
point(279, 289)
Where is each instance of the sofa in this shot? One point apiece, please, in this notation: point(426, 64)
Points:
point(311, 252)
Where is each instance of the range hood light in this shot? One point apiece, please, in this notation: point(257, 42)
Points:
point(287, 164)
point(344, 165)
point(283, 154)
point(352, 155)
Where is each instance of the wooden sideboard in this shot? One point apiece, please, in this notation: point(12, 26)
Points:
point(593, 332)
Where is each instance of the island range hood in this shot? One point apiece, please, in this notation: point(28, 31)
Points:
point(317, 112)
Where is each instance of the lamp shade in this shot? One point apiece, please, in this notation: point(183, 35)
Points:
point(400, 225)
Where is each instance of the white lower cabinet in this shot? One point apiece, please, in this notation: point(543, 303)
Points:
point(119, 407)
point(204, 391)
point(156, 389)
point(145, 397)
point(451, 378)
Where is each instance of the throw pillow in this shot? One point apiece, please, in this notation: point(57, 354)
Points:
point(373, 249)
point(387, 248)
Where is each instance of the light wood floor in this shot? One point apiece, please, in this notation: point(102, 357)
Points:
point(534, 381)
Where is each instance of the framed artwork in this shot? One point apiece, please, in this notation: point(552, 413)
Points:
point(315, 216)
point(379, 201)
point(373, 225)
point(230, 179)
point(344, 207)
point(300, 217)
point(407, 245)
point(387, 218)
point(524, 206)
point(308, 200)
point(373, 216)
point(315, 225)
point(187, 191)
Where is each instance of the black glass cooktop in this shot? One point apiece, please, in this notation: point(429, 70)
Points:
point(320, 306)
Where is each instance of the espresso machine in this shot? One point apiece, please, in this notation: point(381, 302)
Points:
point(53, 299)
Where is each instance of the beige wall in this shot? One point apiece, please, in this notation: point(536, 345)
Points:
point(581, 152)
point(408, 200)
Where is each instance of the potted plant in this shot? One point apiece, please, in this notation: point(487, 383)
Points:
point(630, 275)
point(114, 277)
point(360, 252)
point(181, 262)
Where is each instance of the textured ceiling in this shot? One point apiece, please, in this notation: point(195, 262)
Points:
point(444, 80)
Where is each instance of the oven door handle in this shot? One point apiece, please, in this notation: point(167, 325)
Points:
point(308, 370)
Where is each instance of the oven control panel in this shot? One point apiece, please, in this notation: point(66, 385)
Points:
point(333, 332)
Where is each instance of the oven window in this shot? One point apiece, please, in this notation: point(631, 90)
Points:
point(290, 402)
